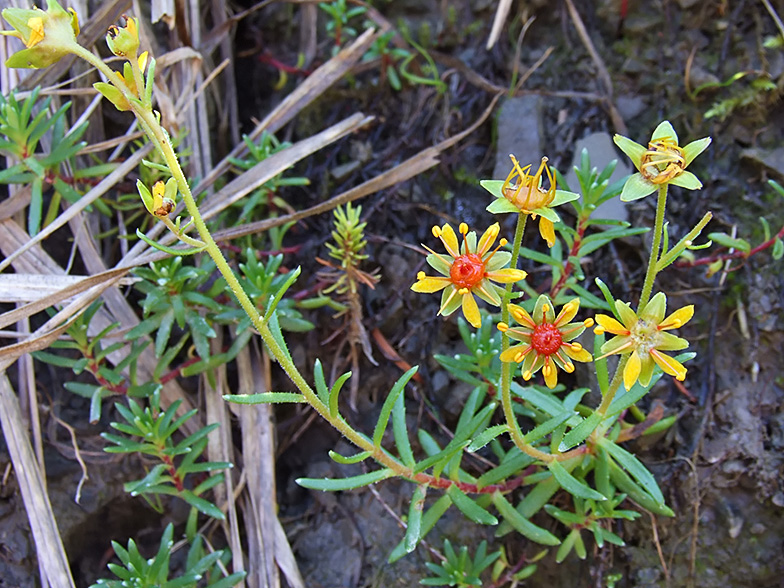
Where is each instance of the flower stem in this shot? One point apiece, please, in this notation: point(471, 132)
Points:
point(658, 229)
point(614, 385)
point(507, 368)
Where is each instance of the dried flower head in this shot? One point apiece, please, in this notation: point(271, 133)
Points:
point(663, 162)
point(524, 193)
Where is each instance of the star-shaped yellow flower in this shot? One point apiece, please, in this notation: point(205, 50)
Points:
point(467, 270)
point(642, 335)
point(546, 339)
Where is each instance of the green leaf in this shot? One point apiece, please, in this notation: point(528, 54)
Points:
point(203, 506)
point(486, 436)
point(521, 524)
point(514, 462)
point(580, 433)
point(334, 485)
point(414, 528)
point(291, 278)
point(778, 249)
point(594, 242)
point(571, 484)
point(429, 520)
point(264, 398)
point(359, 457)
point(470, 508)
point(621, 479)
point(165, 249)
point(389, 403)
point(632, 465)
point(321, 383)
point(400, 430)
point(547, 427)
point(334, 393)
point(730, 242)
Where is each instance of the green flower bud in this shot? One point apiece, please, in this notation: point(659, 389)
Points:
point(48, 34)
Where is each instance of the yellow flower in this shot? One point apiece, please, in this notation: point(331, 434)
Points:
point(47, 34)
point(527, 195)
point(546, 339)
point(467, 270)
point(113, 94)
point(643, 335)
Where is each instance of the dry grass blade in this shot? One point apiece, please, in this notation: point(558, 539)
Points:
point(220, 448)
point(25, 286)
point(411, 167)
point(49, 545)
point(498, 22)
point(315, 85)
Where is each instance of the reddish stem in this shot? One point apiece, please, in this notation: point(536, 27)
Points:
point(569, 267)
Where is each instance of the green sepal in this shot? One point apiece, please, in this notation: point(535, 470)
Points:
point(501, 206)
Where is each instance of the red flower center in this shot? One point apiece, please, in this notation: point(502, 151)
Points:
point(546, 339)
point(467, 270)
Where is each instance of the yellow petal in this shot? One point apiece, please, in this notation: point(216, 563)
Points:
point(143, 60)
point(430, 284)
point(632, 370)
point(488, 238)
point(521, 315)
point(449, 240)
point(578, 355)
point(550, 373)
point(610, 325)
point(507, 276)
point(547, 230)
point(669, 365)
point(568, 312)
point(36, 25)
point(471, 310)
point(514, 353)
point(678, 318)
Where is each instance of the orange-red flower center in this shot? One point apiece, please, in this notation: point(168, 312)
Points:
point(546, 339)
point(467, 270)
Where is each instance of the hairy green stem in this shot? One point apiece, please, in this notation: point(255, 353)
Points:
point(507, 368)
point(614, 385)
point(658, 229)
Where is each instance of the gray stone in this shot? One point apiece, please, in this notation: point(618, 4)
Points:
point(519, 133)
point(602, 151)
